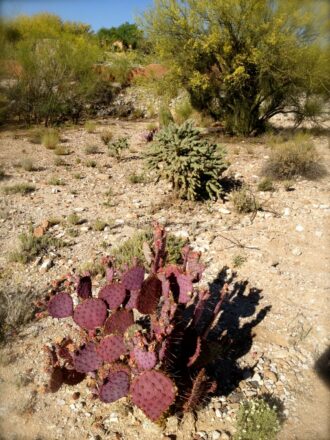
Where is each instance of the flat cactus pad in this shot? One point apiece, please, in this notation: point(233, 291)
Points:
point(111, 348)
point(90, 314)
point(86, 358)
point(145, 360)
point(149, 296)
point(115, 386)
point(114, 294)
point(84, 287)
point(133, 278)
point(153, 392)
point(60, 305)
point(118, 322)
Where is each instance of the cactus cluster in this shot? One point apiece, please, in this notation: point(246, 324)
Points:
point(191, 164)
point(144, 336)
point(116, 147)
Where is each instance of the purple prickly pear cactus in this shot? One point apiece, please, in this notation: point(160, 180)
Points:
point(115, 386)
point(185, 288)
point(86, 359)
point(153, 392)
point(118, 322)
point(84, 287)
point(90, 314)
point(150, 294)
point(61, 305)
point(111, 348)
point(113, 294)
point(133, 278)
point(145, 360)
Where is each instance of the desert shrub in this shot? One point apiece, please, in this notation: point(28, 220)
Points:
point(31, 247)
point(56, 181)
point(50, 138)
point(35, 136)
point(99, 225)
point(116, 147)
point(19, 188)
point(28, 165)
point(190, 163)
point(60, 150)
point(244, 201)
point(296, 157)
point(133, 248)
point(91, 149)
point(74, 219)
point(266, 184)
point(90, 126)
point(239, 260)
point(257, 420)
point(106, 136)
point(164, 116)
point(183, 110)
point(136, 178)
point(90, 163)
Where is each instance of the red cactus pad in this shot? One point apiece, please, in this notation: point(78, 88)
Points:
point(114, 294)
point(86, 358)
point(133, 278)
point(118, 322)
point(185, 288)
point(150, 294)
point(153, 392)
point(145, 360)
point(90, 314)
point(84, 287)
point(115, 386)
point(132, 302)
point(111, 348)
point(61, 305)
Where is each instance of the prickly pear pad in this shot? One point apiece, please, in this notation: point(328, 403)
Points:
point(114, 294)
point(133, 278)
point(86, 358)
point(61, 305)
point(153, 392)
point(115, 386)
point(90, 314)
point(111, 348)
point(118, 322)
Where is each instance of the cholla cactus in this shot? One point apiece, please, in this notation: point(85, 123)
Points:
point(191, 164)
point(142, 337)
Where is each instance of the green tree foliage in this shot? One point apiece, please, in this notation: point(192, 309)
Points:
point(127, 33)
point(48, 74)
point(245, 61)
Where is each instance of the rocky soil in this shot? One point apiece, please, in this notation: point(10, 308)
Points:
point(281, 304)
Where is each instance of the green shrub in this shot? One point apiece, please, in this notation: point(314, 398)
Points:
point(36, 135)
point(297, 157)
point(74, 219)
point(106, 136)
point(59, 162)
point(136, 178)
point(133, 248)
point(31, 247)
point(90, 126)
point(191, 164)
point(99, 225)
point(50, 139)
point(266, 184)
point(28, 165)
point(56, 181)
point(183, 110)
point(244, 201)
point(239, 260)
point(62, 151)
point(91, 149)
point(165, 116)
point(19, 188)
point(115, 148)
point(257, 420)
point(90, 163)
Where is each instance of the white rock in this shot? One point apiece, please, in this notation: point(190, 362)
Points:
point(79, 209)
point(46, 265)
point(224, 211)
point(286, 212)
point(324, 206)
point(202, 434)
point(84, 228)
point(55, 190)
point(296, 252)
point(299, 228)
point(182, 234)
point(216, 435)
point(318, 233)
point(218, 413)
point(119, 221)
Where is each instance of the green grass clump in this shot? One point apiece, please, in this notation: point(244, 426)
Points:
point(56, 181)
point(74, 219)
point(90, 126)
point(266, 184)
point(133, 248)
point(136, 178)
point(19, 188)
point(116, 147)
point(244, 201)
point(50, 139)
point(239, 260)
point(183, 110)
point(296, 157)
point(59, 162)
point(165, 117)
point(257, 420)
point(28, 165)
point(31, 247)
point(93, 267)
point(35, 135)
point(91, 149)
point(90, 163)
point(99, 225)
point(106, 136)
point(60, 150)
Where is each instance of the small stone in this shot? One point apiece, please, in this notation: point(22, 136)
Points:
point(218, 413)
point(270, 376)
point(39, 231)
point(119, 221)
point(299, 228)
point(224, 211)
point(113, 418)
point(75, 395)
point(318, 233)
point(324, 206)
point(182, 234)
point(84, 228)
point(286, 212)
point(296, 252)
point(55, 190)
point(79, 209)
point(46, 265)
point(45, 224)
point(202, 435)
point(216, 435)
point(224, 436)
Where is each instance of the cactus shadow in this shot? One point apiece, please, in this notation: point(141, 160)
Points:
point(322, 367)
point(232, 336)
